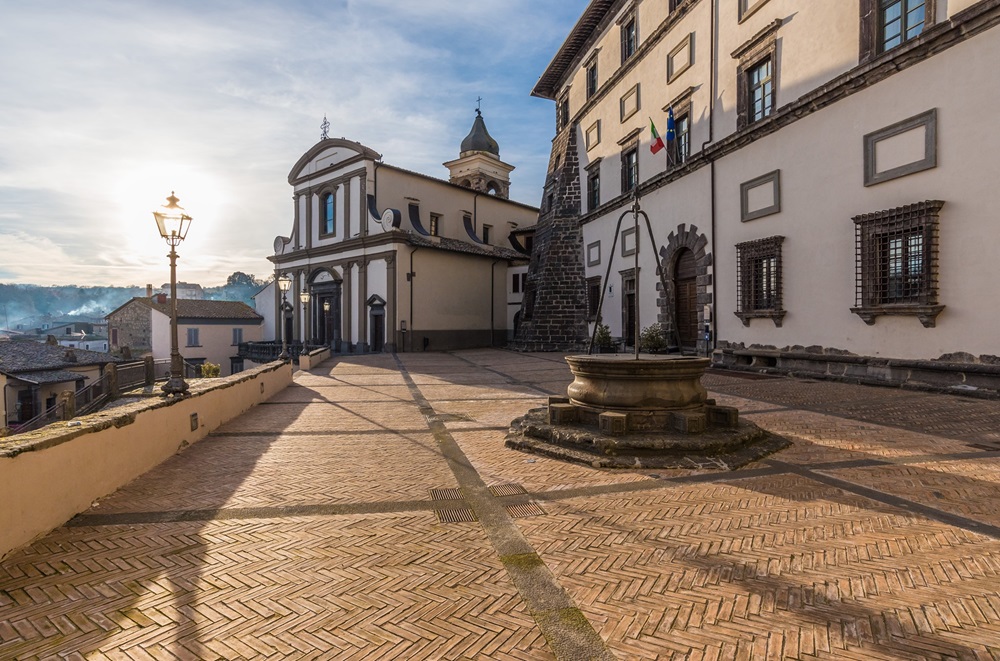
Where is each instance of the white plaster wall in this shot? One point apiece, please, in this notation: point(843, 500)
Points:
point(821, 160)
point(357, 210)
point(682, 201)
point(265, 305)
point(216, 342)
point(160, 335)
point(377, 280)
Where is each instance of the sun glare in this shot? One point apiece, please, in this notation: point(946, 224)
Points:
point(142, 190)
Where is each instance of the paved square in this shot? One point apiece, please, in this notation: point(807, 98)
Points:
point(371, 511)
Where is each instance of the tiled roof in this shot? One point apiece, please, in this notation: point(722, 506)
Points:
point(51, 376)
point(192, 309)
point(454, 245)
point(35, 356)
point(579, 38)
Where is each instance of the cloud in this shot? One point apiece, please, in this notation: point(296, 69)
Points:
point(116, 103)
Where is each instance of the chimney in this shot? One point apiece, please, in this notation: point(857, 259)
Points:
point(149, 291)
point(69, 356)
point(161, 299)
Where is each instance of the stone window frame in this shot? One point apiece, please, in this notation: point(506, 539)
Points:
point(635, 90)
point(193, 333)
point(593, 298)
point(928, 120)
point(747, 8)
point(628, 231)
point(486, 234)
point(745, 214)
point(688, 43)
point(594, 192)
point(562, 111)
point(871, 28)
point(593, 130)
point(434, 224)
point(682, 106)
point(762, 46)
point(750, 257)
point(593, 248)
point(590, 75)
point(629, 20)
point(872, 263)
point(324, 193)
point(630, 149)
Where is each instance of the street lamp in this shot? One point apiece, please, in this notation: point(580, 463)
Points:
point(173, 224)
point(304, 297)
point(326, 323)
point(284, 284)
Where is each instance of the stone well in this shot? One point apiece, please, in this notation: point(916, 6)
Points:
point(645, 411)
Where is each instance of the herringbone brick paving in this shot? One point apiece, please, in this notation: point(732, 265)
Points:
point(760, 563)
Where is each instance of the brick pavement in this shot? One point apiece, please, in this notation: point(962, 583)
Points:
point(317, 526)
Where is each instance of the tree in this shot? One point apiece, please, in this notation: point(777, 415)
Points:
point(241, 279)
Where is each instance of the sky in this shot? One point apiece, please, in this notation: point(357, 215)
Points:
point(106, 106)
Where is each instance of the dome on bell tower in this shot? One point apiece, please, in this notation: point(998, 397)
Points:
point(479, 139)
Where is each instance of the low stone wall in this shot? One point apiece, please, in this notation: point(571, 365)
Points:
point(307, 361)
point(958, 372)
point(50, 475)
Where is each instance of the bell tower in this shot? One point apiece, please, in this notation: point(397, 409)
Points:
point(478, 165)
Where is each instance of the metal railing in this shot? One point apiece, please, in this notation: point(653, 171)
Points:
point(266, 352)
point(53, 414)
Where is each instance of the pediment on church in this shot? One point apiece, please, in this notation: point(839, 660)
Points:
point(328, 154)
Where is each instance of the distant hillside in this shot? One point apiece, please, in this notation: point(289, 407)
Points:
point(31, 305)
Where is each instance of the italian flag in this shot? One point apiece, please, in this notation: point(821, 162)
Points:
point(657, 143)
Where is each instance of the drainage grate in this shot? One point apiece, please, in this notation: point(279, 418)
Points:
point(461, 515)
point(512, 489)
point(446, 494)
point(522, 510)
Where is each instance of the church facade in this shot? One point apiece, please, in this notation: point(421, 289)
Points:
point(385, 259)
point(824, 201)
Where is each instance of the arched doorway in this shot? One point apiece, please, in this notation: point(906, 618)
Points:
point(325, 308)
point(686, 298)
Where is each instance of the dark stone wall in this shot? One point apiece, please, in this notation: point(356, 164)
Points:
point(135, 328)
point(554, 310)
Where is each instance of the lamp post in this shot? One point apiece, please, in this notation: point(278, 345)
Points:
point(284, 284)
point(326, 323)
point(304, 297)
point(173, 224)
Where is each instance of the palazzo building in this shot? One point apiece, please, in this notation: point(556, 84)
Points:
point(827, 202)
point(391, 259)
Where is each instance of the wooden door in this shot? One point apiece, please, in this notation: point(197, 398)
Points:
point(686, 299)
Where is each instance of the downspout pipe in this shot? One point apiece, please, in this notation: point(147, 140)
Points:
point(493, 307)
point(709, 344)
point(410, 276)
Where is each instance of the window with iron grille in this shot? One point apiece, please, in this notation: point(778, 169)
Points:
point(896, 262)
point(593, 297)
point(758, 282)
point(630, 38)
